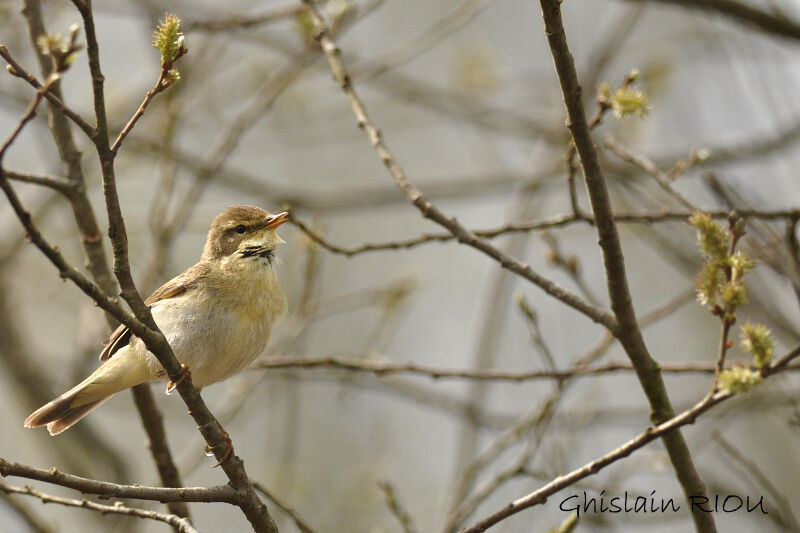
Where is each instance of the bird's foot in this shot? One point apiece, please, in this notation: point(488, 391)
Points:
point(172, 385)
point(228, 452)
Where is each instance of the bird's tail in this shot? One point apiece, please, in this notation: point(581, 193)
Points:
point(122, 371)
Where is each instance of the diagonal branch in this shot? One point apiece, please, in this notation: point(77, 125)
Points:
point(323, 35)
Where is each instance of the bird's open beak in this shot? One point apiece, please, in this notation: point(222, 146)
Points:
point(276, 220)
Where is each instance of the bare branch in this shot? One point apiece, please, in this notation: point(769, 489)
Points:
point(382, 369)
point(221, 493)
point(182, 525)
point(560, 221)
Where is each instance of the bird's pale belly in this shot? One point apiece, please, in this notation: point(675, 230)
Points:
point(214, 342)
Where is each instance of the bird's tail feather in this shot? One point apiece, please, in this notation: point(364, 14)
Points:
point(116, 374)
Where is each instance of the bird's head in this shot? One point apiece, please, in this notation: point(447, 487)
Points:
point(243, 232)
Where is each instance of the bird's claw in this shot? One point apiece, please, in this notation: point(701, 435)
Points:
point(210, 453)
point(172, 385)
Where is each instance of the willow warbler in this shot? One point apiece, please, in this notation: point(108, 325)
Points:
point(217, 317)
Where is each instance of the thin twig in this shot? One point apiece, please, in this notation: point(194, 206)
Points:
point(559, 221)
point(383, 369)
point(161, 85)
point(237, 22)
point(648, 165)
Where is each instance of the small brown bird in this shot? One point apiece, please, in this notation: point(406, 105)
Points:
point(217, 317)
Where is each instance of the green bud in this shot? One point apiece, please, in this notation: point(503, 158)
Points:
point(173, 76)
point(734, 294)
point(628, 101)
point(709, 281)
point(604, 92)
point(305, 26)
point(741, 264)
point(714, 239)
point(739, 379)
point(757, 341)
point(168, 39)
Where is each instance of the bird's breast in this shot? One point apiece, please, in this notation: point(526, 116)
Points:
point(220, 329)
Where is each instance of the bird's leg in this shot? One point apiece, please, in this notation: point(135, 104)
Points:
point(172, 385)
point(228, 452)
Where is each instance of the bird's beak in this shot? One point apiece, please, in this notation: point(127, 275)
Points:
point(276, 220)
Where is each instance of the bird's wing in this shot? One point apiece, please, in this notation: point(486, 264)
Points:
point(174, 287)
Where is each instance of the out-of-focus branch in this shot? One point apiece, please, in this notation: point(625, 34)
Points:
point(628, 332)
point(70, 155)
point(462, 14)
point(742, 13)
point(237, 22)
point(32, 520)
point(397, 508)
point(182, 525)
point(785, 517)
point(534, 423)
point(299, 521)
point(153, 422)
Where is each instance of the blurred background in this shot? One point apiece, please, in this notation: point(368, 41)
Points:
point(467, 99)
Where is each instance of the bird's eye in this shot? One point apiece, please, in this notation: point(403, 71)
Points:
point(240, 229)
